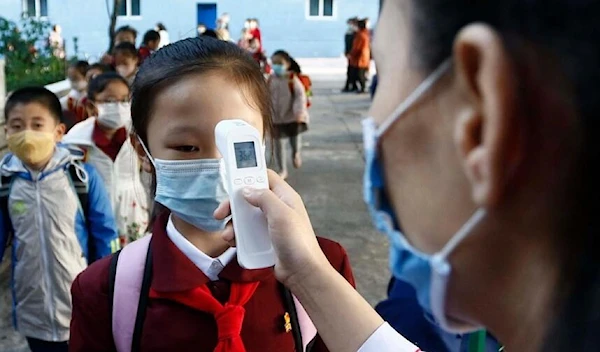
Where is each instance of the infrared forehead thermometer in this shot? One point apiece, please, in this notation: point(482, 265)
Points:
point(240, 145)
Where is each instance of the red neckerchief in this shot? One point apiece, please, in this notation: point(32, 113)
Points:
point(229, 317)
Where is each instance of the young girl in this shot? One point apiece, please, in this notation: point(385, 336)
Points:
point(179, 96)
point(71, 103)
point(150, 44)
point(93, 71)
point(105, 140)
point(290, 113)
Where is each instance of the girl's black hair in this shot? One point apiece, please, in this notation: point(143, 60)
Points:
point(294, 66)
point(151, 36)
point(99, 84)
point(195, 56)
point(564, 34)
point(81, 66)
point(161, 27)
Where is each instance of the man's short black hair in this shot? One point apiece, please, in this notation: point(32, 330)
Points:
point(126, 49)
point(38, 95)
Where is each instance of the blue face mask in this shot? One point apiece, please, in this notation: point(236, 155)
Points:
point(279, 70)
point(428, 274)
point(191, 189)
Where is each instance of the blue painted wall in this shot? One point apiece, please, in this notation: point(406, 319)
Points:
point(284, 23)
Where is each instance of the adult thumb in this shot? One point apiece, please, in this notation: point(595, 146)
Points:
point(264, 199)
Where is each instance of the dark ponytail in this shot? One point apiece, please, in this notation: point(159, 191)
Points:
point(294, 66)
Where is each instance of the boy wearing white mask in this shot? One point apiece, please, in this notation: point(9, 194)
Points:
point(126, 61)
point(105, 139)
point(57, 213)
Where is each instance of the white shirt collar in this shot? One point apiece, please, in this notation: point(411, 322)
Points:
point(211, 267)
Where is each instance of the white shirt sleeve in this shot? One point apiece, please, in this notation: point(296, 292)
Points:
point(386, 339)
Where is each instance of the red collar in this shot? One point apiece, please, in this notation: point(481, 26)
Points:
point(110, 147)
point(174, 272)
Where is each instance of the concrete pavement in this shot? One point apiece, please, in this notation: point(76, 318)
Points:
point(330, 183)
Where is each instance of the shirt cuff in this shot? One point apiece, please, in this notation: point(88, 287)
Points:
point(386, 339)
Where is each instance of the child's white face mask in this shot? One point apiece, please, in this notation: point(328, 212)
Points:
point(114, 115)
point(125, 70)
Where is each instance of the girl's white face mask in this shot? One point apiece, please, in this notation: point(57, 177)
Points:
point(114, 115)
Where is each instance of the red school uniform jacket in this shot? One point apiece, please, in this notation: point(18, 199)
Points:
point(170, 326)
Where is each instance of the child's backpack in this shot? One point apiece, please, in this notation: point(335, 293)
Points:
point(130, 276)
point(306, 82)
point(80, 185)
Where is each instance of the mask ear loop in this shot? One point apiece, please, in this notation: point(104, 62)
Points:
point(413, 97)
point(462, 233)
point(81, 173)
point(146, 150)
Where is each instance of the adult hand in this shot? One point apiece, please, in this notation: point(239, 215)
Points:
point(296, 248)
point(342, 317)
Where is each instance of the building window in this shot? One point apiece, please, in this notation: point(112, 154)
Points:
point(129, 8)
point(35, 8)
point(320, 8)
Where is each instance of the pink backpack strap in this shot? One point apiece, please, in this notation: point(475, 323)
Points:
point(127, 287)
point(307, 328)
point(126, 296)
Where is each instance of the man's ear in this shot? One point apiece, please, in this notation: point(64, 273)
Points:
point(139, 149)
point(488, 134)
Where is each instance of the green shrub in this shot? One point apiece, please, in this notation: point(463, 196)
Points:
point(29, 60)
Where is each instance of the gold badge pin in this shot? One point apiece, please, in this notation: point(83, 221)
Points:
point(287, 322)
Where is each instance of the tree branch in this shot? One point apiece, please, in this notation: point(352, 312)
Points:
point(113, 24)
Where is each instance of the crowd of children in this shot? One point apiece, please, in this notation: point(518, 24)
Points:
point(72, 192)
